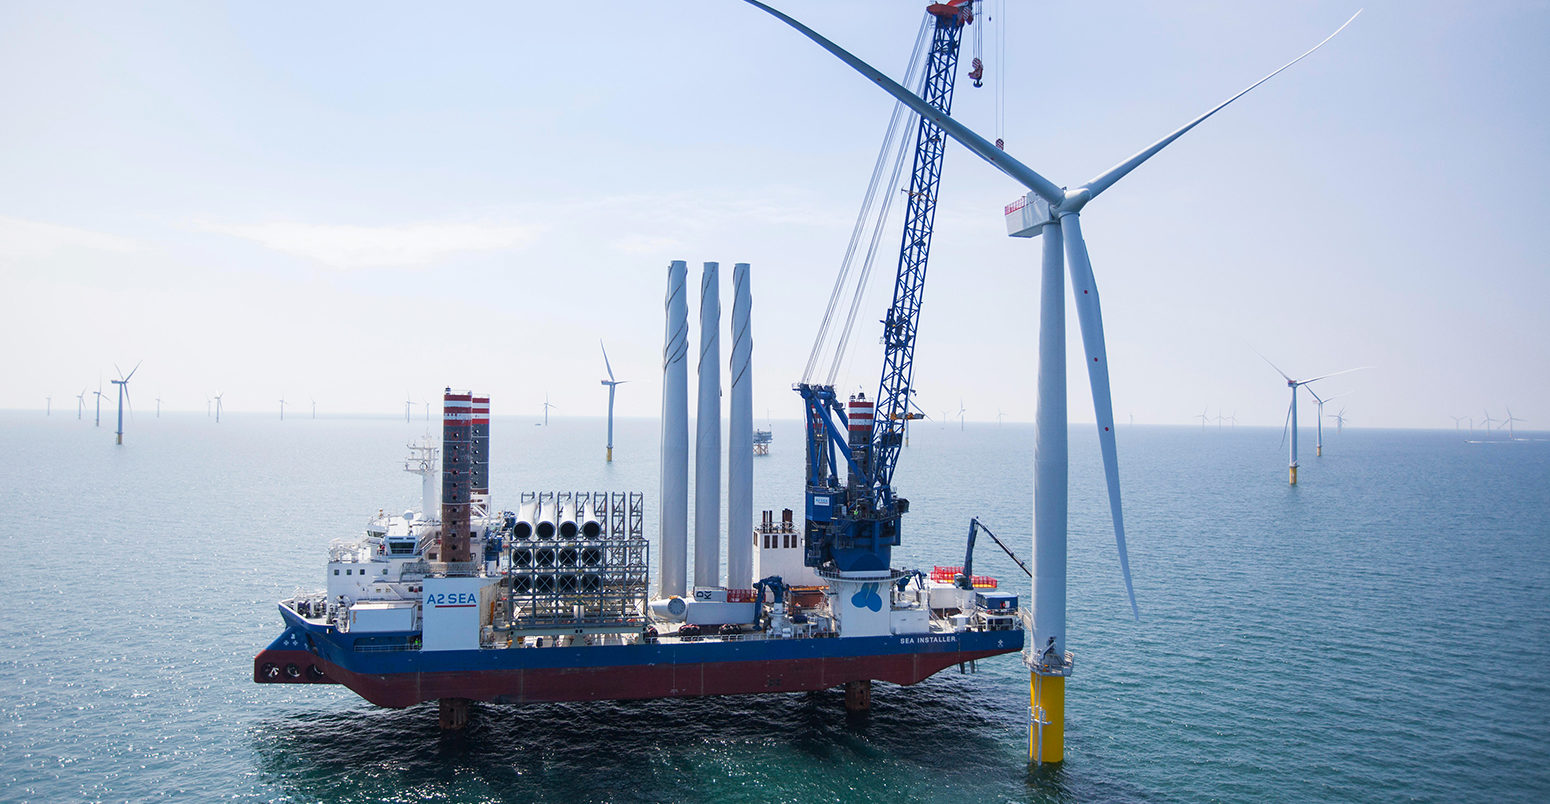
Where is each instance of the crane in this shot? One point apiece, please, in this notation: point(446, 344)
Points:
point(853, 527)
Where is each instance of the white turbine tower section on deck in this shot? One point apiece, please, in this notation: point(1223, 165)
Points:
point(740, 437)
point(674, 483)
point(1056, 209)
point(707, 441)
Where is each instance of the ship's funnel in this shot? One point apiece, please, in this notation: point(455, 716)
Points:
point(674, 484)
point(740, 437)
point(456, 472)
point(707, 441)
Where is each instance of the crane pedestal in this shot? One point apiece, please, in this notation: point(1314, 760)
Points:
point(454, 713)
point(858, 695)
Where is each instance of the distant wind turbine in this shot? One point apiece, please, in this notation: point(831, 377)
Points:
point(1318, 449)
point(97, 422)
point(314, 408)
point(218, 408)
point(208, 408)
point(407, 403)
point(1291, 411)
point(547, 406)
point(1487, 422)
point(427, 410)
point(80, 404)
point(1508, 422)
point(282, 408)
point(123, 394)
point(1458, 422)
point(1203, 417)
point(1339, 421)
point(158, 407)
point(961, 411)
point(612, 385)
point(48, 406)
point(999, 416)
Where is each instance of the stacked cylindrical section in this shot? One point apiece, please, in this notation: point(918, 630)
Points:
point(456, 475)
point(740, 437)
point(859, 415)
point(674, 484)
point(707, 442)
point(479, 431)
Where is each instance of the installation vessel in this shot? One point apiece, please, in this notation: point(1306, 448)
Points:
point(551, 601)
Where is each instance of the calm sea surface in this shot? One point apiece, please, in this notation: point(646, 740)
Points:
point(1379, 633)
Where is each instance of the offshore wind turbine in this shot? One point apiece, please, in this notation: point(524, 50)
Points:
point(158, 407)
point(97, 422)
point(612, 384)
point(1511, 436)
point(218, 408)
point(1339, 421)
point(961, 411)
point(1054, 212)
point(314, 408)
point(123, 393)
point(282, 408)
point(407, 402)
point(1487, 422)
point(48, 405)
point(547, 406)
point(1203, 418)
point(1291, 411)
point(1318, 447)
point(1458, 422)
point(80, 404)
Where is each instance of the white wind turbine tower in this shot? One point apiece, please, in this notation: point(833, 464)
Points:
point(207, 407)
point(282, 408)
point(612, 384)
point(80, 404)
point(1318, 446)
point(1487, 422)
point(97, 422)
point(1203, 419)
point(314, 408)
point(1511, 436)
point(158, 407)
point(218, 407)
point(1458, 422)
point(407, 403)
point(1339, 421)
point(123, 393)
point(1054, 212)
point(48, 409)
point(547, 406)
point(961, 411)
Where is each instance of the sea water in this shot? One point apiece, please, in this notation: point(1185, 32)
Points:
point(1379, 632)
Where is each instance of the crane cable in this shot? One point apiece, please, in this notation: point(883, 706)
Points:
point(900, 115)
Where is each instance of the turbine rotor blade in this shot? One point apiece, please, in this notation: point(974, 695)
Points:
point(1090, 317)
point(132, 371)
point(981, 147)
point(1287, 426)
point(1274, 366)
point(605, 359)
point(1107, 179)
point(1336, 374)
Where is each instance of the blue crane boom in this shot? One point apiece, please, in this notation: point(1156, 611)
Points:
point(853, 527)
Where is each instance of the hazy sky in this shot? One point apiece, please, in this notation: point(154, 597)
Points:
point(351, 202)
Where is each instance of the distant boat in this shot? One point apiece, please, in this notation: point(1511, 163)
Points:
point(761, 441)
